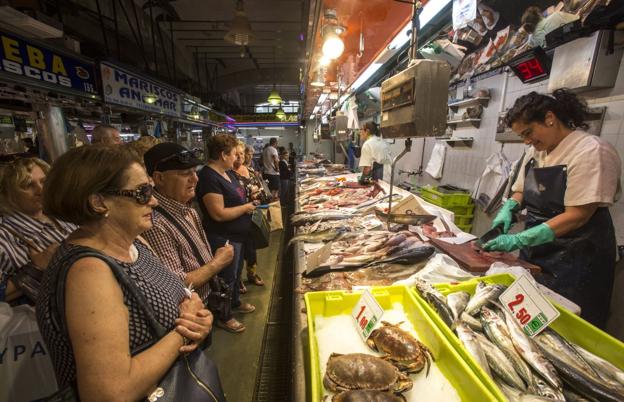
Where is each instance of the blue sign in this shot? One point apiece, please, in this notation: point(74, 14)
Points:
point(44, 66)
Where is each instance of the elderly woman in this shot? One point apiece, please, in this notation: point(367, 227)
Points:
point(255, 192)
point(226, 216)
point(28, 237)
point(98, 338)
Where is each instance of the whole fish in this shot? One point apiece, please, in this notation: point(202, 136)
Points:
point(531, 353)
point(485, 294)
point(457, 302)
point(572, 396)
point(605, 369)
point(542, 388)
point(303, 218)
point(395, 240)
point(497, 331)
point(574, 369)
point(499, 363)
point(469, 339)
point(472, 322)
point(437, 300)
point(316, 237)
point(514, 395)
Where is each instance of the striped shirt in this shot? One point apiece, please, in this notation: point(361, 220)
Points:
point(14, 251)
point(172, 247)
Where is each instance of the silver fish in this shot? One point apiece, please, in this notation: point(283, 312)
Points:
point(572, 396)
point(469, 339)
point(485, 294)
point(472, 322)
point(316, 237)
point(457, 302)
point(497, 331)
point(544, 389)
point(499, 363)
point(605, 369)
point(514, 395)
point(437, 300)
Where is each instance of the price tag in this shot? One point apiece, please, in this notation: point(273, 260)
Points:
point(366, 313)
point(532, 311)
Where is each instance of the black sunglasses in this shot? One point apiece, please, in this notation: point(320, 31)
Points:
point(182, 157)
point(142, 194)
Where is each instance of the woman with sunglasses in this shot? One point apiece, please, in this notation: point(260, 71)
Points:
point(28, 237)
point(226, 216)
point(97, 333)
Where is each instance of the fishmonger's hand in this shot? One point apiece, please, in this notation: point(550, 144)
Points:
point(535, 236)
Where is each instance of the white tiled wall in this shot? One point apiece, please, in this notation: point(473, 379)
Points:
point(464, 165)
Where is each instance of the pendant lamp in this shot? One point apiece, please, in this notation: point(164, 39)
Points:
point(240, 32)
point(274, 98)
point(280, 114)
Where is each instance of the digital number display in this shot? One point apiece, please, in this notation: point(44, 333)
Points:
point(531, 66)
point(530, 70)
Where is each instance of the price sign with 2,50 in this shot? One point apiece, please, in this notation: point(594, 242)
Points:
point(532, 311)
point(366, 313)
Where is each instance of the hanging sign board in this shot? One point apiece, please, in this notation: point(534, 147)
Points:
point(124, 88)
point(464, 12)
point(33, 64)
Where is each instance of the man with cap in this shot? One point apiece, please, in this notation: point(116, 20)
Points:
point(177, 235)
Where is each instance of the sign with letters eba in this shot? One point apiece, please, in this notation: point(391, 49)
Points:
point(366, 313)
point(531, 310)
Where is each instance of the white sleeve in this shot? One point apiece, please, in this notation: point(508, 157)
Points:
point(518, 186)
point(366, 158)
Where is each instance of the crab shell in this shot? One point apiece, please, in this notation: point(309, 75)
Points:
point(362, 395)
point(362, 371)
point(400, 347)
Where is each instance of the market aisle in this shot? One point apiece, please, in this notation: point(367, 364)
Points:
point(238, 355)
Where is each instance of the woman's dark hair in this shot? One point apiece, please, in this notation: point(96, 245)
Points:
point(373, 128)
point(568, 108)
point(80, 173)
point(530, 18)
point(220, 143)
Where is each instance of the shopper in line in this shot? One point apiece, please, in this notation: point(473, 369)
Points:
point(28, 237)
point(255, 193)
point(97, 333)
point(270, 167)
point(284, 171)
point(105, 134)
point(226, 215)
point(141, 146)
point(375, 153)
point(568, 180)
point(175, 222)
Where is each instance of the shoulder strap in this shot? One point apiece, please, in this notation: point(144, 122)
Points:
point(57, 301)
point(183, 232)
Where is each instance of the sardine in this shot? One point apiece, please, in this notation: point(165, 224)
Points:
point(469, 340)
point(531, 353)
point(497, 331)
point(485, 294)
point(457, 302)
point(437, 300)
point(605, 369)
point(472, 322)
point(499, 363)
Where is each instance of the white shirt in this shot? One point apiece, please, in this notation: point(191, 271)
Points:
point(375, 149)
point(268, 164)
point(593, 167)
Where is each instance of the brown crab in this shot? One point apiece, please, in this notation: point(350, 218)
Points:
point(362, 395)
point(400, 347)
point(362, 371)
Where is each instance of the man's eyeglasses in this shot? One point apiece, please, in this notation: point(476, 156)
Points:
point(182, 157)
point(142, 194)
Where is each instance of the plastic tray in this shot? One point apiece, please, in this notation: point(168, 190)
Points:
point(450, 362)
point(570, 326)
point(462, 210)
point(463, 219)
point(441, 199)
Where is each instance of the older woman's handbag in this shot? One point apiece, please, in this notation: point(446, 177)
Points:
point(260, 229)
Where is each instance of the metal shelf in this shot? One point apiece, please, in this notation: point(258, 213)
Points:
point(461, 141)
point(483, 101)
point(475, 122)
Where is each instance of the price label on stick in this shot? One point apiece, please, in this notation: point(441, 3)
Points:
point(531, 310)
point(366, 313)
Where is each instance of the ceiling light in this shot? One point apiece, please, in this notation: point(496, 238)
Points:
point(150, 98)
point(324, 61)
point(280, 114)
point(333, 46)
point(274, 98)
point(240, 32)
point(318, 80)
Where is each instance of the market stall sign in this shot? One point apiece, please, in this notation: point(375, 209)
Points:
point(121, 87)
point(265, 117)
point(42, 66)
point(366, 314)
point(531, 66)
point(531, 310)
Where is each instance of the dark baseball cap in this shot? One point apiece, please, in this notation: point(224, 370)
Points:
point(170, 156)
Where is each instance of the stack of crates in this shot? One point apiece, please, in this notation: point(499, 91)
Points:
point(454, 199)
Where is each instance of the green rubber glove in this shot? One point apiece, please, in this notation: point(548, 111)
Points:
point(505, 215)
point(535, 236)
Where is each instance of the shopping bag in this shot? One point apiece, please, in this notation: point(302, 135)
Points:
point(260, 229)
point(26, 371)
point(275, 216)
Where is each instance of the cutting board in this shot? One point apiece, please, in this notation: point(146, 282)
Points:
point(478, 261)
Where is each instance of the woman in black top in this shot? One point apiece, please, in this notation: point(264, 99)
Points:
point(226, 216)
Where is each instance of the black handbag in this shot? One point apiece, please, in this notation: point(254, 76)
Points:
point(219, 300)
point(192, 377)
point(260, 229)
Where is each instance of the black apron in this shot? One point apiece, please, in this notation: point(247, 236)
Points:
point(377, 171)
point(579, 265)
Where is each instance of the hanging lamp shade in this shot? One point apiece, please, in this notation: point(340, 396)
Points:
point(240, 32)
point(318, 80)
point(280, 114)
point(274, 97)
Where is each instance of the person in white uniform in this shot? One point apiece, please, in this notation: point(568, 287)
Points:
point(375, 152)
point(568, 180)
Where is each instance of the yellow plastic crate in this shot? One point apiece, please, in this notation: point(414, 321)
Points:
point(465, 228)
point(445, 200)
point(450, 362)
point(463, 219)
point(462, 210)
point(569, 325)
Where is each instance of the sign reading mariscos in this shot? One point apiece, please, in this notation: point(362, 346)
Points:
point(124, 88)
point(44, 66)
